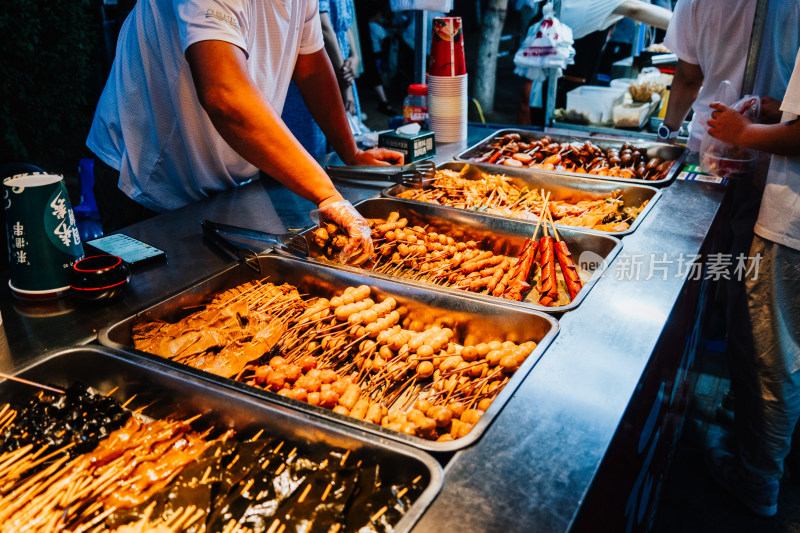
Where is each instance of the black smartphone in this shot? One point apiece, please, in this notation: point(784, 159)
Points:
point(132, 251)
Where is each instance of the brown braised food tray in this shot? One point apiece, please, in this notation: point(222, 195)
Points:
point(406, 362)
point(113, 442)
point(636, 161)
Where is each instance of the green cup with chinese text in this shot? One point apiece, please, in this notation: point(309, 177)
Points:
point(43, 238)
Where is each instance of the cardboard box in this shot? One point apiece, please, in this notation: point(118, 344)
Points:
point(413, 147)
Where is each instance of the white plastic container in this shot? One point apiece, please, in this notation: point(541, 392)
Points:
point(595, 102)
point(622, 83)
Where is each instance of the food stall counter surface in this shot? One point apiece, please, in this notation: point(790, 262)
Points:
point(533, 468)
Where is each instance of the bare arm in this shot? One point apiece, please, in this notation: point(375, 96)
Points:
point(249, 123)
point(354, 58)
point(732, 127)
point(341, 65)
point(331, 42)
point(314, 77)
point(682, 94)
point(644, 12)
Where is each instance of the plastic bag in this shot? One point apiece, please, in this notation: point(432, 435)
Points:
point(548, 44)
point(719, 158)
point(358, 247)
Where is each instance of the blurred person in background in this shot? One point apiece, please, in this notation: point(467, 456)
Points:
point(590, 21)
point(370, 16)
point(336, 17)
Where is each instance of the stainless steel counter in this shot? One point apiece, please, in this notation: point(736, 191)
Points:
point(534, 467)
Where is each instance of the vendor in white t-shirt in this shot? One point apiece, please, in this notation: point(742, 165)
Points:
point(710, 38)
point(193, 102)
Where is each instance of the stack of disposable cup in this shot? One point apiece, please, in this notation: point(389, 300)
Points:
point(447, 81)
point(447, 107)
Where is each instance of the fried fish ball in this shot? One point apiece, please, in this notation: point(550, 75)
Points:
point(441, 415)
point(328, 398)
point(276, 380)
point(262, 373)
point(292, 372)
point(306, 363)
point(277, 362)
point(471, 416)
point(298, 394)
point(469, 353)
point(311, 384)
point(425, 369)
point(484, 404)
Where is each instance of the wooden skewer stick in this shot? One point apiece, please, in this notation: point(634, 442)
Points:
point(552, 224)
point(31, 383)
point(378, 514)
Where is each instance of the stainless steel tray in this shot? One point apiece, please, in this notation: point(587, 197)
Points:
point(562, 187)
point(592, 251)
point(175, 392)
point(654, 149)
point(479, 319)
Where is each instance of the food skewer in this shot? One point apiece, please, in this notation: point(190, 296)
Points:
point(527, 259)
point(549, 286)
point(31, 383)
point(568, 268)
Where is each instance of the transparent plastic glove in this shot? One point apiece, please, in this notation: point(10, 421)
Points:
point(359, 247)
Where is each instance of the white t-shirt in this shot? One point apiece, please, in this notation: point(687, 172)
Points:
point(715, 34)
point(149, 123)
point(779, 216)
point(584, 17)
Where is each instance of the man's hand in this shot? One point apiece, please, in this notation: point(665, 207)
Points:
point(359, 247)
point(727, 125)
point(346, 73)
point(377, 157)
point(770, 110)
point(349, 100)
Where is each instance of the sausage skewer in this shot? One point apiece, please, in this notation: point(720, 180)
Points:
point(549, 287)
point(522, 269)
point(568, 269)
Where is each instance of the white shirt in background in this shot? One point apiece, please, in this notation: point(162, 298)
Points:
point(715, 34)
point(149, 123)
point(588, 16)
point(779, 216)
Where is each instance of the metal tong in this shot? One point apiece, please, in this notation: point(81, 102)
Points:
point(291, 243)
point(413, 175)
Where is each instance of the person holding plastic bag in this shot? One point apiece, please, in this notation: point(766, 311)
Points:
point(585, 18)
point(720, 158)
point(767, 406)
point(705, 60)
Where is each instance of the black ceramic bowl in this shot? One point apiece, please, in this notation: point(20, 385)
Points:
point(100, 277)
